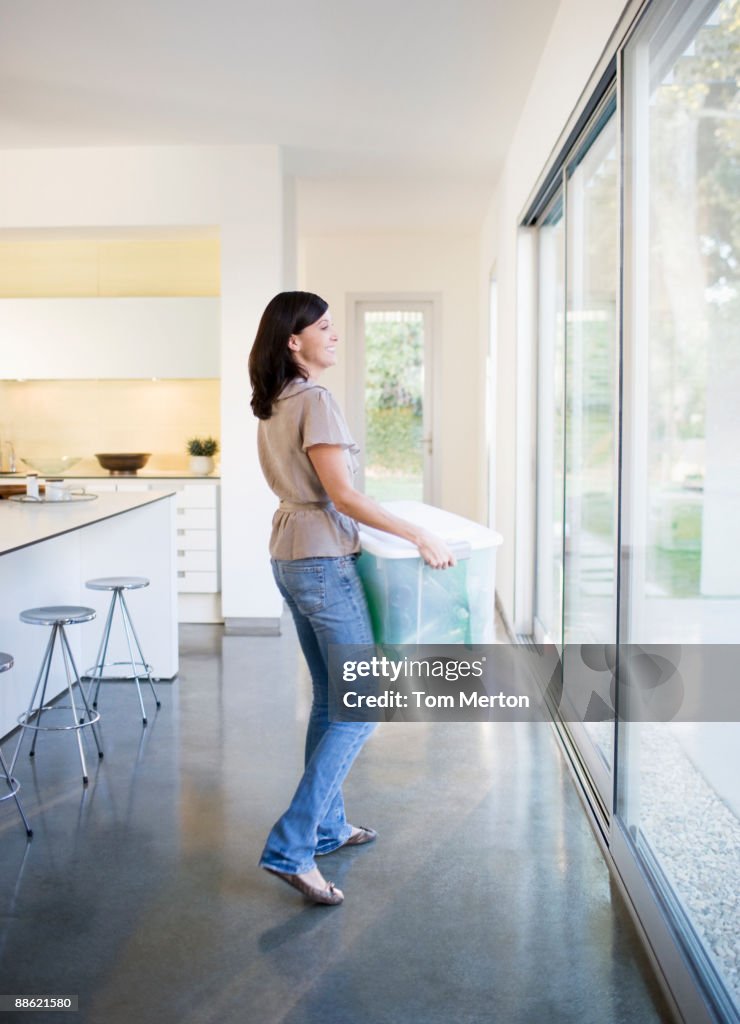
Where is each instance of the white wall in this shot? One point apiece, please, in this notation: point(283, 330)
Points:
point(414, 265)
point(290, 233)
point(236, 188)
point(579, 35)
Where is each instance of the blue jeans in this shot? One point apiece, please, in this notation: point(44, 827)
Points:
point(326, 599)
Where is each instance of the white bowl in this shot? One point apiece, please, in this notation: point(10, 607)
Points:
point(48, 466)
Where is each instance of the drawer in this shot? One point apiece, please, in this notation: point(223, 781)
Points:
point(193, 582)
point(99, 486)
point(133, 485)
point(202, 561)
point(196, 519)
point(197, 540)
point(197, 496)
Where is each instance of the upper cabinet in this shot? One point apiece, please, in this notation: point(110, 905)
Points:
point(78, 339)
point(109, 308)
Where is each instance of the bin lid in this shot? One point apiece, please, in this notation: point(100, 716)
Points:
point(447, 525)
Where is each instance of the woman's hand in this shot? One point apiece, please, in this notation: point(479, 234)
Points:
point(434, 551)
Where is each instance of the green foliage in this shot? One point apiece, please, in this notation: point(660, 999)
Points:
point(394, 439)
point(695, 178)
point(677, 573)
point(202, 446)
point(394, 353)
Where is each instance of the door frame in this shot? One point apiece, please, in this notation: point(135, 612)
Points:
point(430, 303)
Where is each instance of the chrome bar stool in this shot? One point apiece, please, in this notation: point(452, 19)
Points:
point(6, 662)
point(58, 616)
point(139, 667)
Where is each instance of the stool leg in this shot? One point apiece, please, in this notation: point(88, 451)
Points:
point(22, 733)
point(77, 680)
point(102, 652)
point(46, 663)
point(62, 639)
point(141, 653)
point(29, 831)
point(126, 623)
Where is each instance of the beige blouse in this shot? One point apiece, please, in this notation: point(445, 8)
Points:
point(306, 525)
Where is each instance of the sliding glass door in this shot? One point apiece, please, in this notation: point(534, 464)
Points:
point(638, 469)
point(548, 611)
point(678, 805)
point(577, 419)
point(591, 426)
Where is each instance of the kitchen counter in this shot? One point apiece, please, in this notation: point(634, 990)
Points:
point(95, 472)
point(48, 552)
point(26, 523)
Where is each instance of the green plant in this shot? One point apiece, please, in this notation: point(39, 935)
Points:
point(202, 446)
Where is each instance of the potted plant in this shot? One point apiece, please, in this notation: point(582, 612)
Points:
point(201, 451)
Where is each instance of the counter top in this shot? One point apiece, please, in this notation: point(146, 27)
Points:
point(25, 523)
point(97, 473)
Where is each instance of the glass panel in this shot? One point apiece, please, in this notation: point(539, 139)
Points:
point(550, 425)
point(679, 786)
point(491, 399)
point(591, 407)
point(394, 404)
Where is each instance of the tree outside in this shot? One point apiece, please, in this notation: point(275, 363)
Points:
point(394, 394)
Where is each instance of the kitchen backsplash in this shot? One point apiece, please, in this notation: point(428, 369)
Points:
point(81, 417)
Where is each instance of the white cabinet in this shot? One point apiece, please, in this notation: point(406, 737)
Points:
point(106, 485)
point(197, 541)
point(94, 485)
point(133, 485)
point(129, 338)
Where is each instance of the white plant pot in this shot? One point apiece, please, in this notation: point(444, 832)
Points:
point(201, 465)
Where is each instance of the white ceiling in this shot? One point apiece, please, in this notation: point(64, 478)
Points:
point(393, 113)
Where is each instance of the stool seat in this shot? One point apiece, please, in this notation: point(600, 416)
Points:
point(6, 662)
point(57, 615)
point(118, 583)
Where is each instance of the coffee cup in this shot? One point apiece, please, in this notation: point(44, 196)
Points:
point(56, 490)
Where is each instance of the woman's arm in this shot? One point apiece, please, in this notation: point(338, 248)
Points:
point(331, 469)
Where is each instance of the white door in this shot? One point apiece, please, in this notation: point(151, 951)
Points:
point(391, 397)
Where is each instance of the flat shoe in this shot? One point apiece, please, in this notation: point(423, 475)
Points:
point(365, 835)
point(331, 896)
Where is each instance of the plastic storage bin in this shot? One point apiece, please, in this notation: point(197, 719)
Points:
point(410, 603)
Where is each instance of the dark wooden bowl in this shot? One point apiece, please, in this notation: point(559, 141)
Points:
point(123, 462)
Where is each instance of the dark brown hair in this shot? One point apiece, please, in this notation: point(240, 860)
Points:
point(271, 363)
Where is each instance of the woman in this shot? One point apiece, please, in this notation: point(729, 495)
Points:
point(308, 458)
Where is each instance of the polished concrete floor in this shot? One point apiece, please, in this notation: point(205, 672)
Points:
point(485, 899)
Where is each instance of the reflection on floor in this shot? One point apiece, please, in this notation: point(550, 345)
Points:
point(485, 899)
